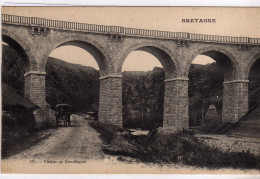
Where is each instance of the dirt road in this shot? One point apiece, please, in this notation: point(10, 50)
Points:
point(79, 141)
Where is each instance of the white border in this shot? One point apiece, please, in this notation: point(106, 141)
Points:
point(230, 3)
point(221, 3)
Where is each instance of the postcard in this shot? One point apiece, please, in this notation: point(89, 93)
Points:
point(130, 90)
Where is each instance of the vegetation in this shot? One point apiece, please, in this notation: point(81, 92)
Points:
point(205, 88)
point(144, 90)
point(143, 98)
point(177, 148)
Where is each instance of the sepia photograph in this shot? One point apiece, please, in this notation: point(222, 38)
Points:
point(130, 90)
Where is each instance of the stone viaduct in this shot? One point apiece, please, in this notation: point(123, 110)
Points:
point(35, 38)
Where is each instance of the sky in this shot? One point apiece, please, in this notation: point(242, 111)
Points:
point(143, 61)
point(230, 22)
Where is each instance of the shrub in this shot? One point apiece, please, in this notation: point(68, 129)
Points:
point(161, 148)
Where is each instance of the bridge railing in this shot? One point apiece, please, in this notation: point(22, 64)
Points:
point(35, 21)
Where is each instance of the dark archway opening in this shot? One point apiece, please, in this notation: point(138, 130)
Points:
point(206, 90)
point(15, 63)
point(143, 87)
point(254, 85)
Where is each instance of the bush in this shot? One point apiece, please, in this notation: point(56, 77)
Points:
point(182, 148)
point(107, 131)
point(187, 149)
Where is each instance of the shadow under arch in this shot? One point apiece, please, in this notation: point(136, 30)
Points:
point(250, 64)
point(162, 53)
point(226, 61)
point(19, 49)
point(253, 69)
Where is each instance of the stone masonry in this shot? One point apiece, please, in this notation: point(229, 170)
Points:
point(36, 38)
point(110, 100)
point(35, 91)
point(235, 100)
point(176, 105)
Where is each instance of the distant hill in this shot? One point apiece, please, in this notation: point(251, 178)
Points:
point(73, 84)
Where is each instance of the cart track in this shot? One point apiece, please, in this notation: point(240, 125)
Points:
point(79, 141)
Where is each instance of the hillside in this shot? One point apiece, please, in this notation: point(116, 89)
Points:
point(13, 68)
point(73, 84)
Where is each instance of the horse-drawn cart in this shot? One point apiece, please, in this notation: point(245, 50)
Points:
point(62, 113)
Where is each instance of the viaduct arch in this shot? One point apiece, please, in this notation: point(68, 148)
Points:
point(253, 60)
point(91, 46)
point(235, 91)
point(172, 98)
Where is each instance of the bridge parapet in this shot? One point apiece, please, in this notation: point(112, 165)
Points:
point(74, 26)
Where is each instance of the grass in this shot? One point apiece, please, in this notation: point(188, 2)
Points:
point(182, 148)
point(12, 146)
point(17, 137)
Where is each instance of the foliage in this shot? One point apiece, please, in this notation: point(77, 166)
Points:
point(143, 98)
point(177, 148)
point(205, 88)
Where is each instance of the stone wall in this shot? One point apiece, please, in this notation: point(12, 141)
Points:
point(176, 116)
point(34, 90)
point(235, 100)
point(110, 100)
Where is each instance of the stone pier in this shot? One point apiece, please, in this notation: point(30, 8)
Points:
point(34, 90)
point(176, 114)
point(235, 100)
point(110, 100)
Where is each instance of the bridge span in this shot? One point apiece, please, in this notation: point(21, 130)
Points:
point(35, 38)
